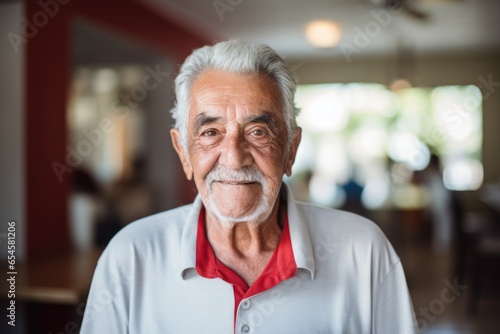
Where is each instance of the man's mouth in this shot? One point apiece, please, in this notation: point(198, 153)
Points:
point(236, 183)
point(246, 177)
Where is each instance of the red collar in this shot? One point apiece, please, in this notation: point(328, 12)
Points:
point(281, 266)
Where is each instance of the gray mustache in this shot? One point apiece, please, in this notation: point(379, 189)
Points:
point(246, 174)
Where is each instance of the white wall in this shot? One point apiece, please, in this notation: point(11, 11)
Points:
point(11, 130)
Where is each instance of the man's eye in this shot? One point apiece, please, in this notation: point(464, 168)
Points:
point(258, 133)
point(209, 133)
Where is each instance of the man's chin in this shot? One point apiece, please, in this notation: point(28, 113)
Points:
point(236, 212)
point(236, 200)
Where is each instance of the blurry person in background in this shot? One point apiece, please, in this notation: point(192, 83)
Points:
point(440, 206)
point(245, 256)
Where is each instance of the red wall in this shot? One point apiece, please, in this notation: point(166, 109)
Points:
point(47, 71)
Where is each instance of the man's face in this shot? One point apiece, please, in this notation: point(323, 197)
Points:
point(237, 149)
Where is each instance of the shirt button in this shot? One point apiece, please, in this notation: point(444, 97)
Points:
point(246, 304)
point(245, 329)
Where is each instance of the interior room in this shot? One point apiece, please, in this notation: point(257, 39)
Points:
point(399, 103)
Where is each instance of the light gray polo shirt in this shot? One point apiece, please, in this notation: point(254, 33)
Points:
point(349, 280)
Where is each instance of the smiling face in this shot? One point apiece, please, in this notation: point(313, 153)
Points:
point(237, 148)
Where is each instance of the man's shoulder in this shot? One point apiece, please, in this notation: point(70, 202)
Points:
point(343, 228)
point(156, 229)
point(347, 234)
point(334, 219)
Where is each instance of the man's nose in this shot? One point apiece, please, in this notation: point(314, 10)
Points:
point(234, 152)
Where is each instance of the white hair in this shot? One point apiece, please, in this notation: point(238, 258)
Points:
point(235, 56)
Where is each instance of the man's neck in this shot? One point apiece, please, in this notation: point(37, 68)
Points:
point(245, 247)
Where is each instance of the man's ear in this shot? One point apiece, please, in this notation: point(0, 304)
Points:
point(293, 151)
point(186, 164)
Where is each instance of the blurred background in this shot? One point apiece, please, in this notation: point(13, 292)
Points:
point(399, 107)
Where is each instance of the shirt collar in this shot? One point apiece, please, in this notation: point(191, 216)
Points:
point(188, 241)
point(299, 235)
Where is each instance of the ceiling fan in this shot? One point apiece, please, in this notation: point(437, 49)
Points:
point(408, 7)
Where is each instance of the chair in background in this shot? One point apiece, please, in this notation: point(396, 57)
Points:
point(477, 257)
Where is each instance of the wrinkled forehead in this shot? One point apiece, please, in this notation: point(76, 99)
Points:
point(215, 92)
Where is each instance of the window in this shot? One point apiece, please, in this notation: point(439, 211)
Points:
point(373, 136)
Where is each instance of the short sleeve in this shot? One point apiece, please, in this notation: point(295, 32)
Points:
point(392, 310)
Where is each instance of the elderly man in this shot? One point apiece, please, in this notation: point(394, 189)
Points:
point(245, 257)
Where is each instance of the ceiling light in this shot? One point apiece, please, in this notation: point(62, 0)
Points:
point(399, 84)
point(323, 33)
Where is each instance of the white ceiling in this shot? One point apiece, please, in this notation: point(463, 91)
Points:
point(454, 26)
